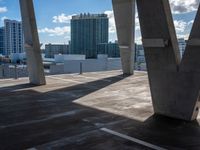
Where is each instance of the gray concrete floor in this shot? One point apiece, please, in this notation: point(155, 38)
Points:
point(71, 110)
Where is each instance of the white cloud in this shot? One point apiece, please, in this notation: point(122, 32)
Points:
point(62, 18)
point(190, 22)
point(180, 25)
point(112, 27)
point(57, 31)
point(138, 39)
point(3, 18)
point(184, 6)
point(137, 22)
point(3, 9)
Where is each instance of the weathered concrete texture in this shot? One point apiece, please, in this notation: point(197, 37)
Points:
point(124, 11)
point(32, 44)
point(174, 87)
point(69, 112)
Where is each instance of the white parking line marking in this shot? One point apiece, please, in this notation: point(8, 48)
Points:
point(132, 139)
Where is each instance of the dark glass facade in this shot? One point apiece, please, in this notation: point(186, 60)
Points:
point(1, 40)
point(87, 31)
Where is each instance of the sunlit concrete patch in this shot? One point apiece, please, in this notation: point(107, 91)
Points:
point(127, 100)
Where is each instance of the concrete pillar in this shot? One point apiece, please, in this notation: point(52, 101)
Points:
point(124, 12)
point(190, 66)
point(32, 44)
point(174, 83)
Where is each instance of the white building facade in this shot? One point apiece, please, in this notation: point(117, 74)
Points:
point(13, 37)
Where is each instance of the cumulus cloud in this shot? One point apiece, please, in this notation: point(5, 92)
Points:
point(112, 28)
point(180, 25)
point(3, 18)
point(62, 18)
point(3, 9)
point(190, 22)
point(137, 22)
point(184, 6)
point(57, 31)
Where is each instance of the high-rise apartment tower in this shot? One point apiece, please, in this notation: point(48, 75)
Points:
point(87, 31)
point(13, 37)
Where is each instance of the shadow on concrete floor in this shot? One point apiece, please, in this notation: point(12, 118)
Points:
point(52, 120)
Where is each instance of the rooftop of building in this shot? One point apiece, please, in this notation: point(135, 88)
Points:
point(89, 16)
point(97, 111)
point(12, 21)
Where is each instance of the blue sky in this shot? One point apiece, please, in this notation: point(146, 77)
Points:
point(53, 16)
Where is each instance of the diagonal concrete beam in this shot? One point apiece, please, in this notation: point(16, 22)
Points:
point(190, 66)
point(32, 44)
point(124, 12)
point(174, 84)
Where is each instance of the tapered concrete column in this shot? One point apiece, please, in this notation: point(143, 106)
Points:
point(124, 12)
point(32, 44)
point(174, 83)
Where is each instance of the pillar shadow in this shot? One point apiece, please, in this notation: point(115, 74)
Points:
point(30, 119)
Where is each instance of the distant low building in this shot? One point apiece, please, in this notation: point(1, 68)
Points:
point(182, 45)
point(61, 58)
point(140, 56)
point(77, 64)
point(140, 63)
point(54, 49)
point(111, 49)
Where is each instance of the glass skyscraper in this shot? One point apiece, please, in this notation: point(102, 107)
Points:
point(87, 31)
point(2, 40)
point(13, 37)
